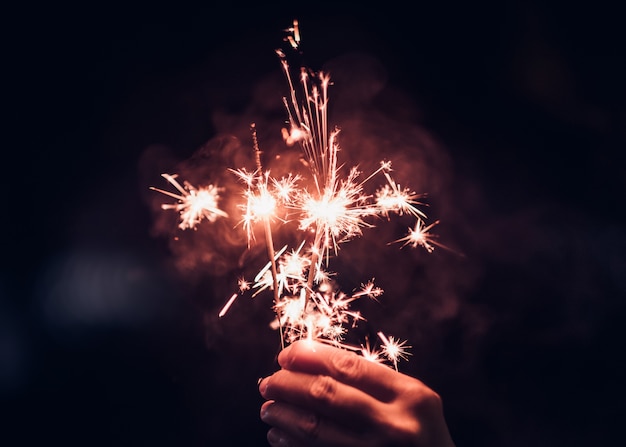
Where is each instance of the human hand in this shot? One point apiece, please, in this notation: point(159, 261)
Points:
point(326, 396)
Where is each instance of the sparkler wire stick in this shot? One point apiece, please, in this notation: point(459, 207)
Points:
point(315, 260)
point(269, 242)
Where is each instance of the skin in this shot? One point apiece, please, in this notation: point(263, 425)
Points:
point(326, 396)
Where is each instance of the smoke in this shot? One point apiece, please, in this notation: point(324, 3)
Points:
point(211, 247)
point(98, 289)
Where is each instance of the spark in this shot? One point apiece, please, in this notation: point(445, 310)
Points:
point(338, 213)
point(294, 37)
point(265, 278)
point(285, 188)
point(268, 265)
point(419, 235)
point(394, 349)
point(393, 198)
point(229, 303)
point(194, 204)
point(374, 355)
point(243, 285)
point(294, 135)
point(292, 269)
point(369, 289)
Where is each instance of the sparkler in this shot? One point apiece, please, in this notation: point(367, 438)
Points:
point(419, 235)
point(193, 204)
point(329, 209)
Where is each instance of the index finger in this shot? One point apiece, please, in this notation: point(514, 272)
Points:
point(345, 366)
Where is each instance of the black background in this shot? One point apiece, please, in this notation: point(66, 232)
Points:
point(103, 343)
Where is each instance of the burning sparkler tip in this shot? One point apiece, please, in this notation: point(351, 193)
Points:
point(193, 204)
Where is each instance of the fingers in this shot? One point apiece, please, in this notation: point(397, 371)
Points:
point(323, 395)
point(347, 367)
point(326, 396)
point(295, 426)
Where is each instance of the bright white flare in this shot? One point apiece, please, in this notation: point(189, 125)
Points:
point(394, 349)
point(194, 204)
point(419, 235)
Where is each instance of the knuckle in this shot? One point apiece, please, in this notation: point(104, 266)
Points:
point(399, 427)
point(310, 426)
point(323, 389)
point(402, 421)
point(348, 366)
point(408, 431)
point(421, 397)
point(431, 400)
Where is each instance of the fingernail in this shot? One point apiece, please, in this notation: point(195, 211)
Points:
point(263, 383)
point(265, 411)
point(275, 438)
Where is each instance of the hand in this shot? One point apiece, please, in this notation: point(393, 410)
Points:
point(326, 396)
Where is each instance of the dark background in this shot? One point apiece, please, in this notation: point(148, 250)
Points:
point(104, 342)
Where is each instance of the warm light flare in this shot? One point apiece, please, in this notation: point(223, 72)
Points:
point(419, 236)
point(193, 204)
point(394, 349)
